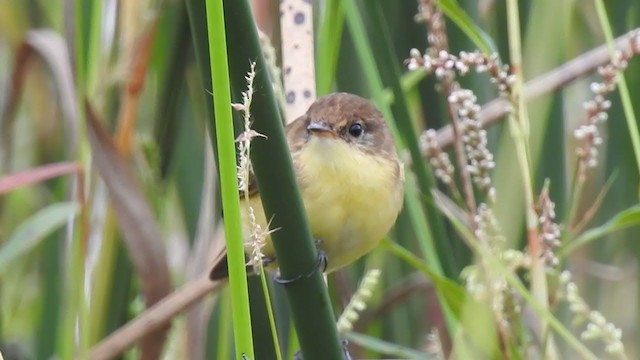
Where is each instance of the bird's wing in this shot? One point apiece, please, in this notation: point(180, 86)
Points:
point(293, 131)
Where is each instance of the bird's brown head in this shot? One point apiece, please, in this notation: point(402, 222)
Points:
point(349, 118)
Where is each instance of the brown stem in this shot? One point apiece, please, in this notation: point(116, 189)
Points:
point(154, 318)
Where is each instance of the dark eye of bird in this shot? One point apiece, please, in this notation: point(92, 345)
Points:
point(356, 130)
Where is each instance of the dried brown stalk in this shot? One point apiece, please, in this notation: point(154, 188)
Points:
point(154, 318)
point(133, 89)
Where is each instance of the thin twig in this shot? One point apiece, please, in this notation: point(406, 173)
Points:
point(395, 297)
point(154, 318)
point(580, 66)
point(592, 210)
point(519, 124)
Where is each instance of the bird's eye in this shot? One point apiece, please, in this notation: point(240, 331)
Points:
point(356, 130)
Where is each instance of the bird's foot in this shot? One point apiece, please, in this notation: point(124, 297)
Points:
point(268, 260)
point(321, 265)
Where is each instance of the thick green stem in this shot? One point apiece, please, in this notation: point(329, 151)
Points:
point(308, 298)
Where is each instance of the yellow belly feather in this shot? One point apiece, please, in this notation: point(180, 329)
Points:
point(351, 198)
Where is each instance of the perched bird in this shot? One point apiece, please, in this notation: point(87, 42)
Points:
point(349, 176)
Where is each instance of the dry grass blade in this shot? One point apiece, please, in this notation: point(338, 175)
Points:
point(36, 175)
point(129, 111)
point(448, 206)
point(154, 318)
point(591, 212)
point(53, 50)
point(553, 80)
point(135, 218)
point(22, 58)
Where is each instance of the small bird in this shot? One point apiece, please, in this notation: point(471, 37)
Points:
point(349, 176)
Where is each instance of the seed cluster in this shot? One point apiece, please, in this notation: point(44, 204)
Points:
point(597, 326)
point(479, 159)
point(431, 15)
point(549, 234)
point(438, 159)
point(358, 302)
point(446, 66)
point(588, 134)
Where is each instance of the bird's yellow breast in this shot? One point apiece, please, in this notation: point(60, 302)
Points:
point(352, 198)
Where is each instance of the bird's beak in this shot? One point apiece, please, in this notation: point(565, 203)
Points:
point(321, 129)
